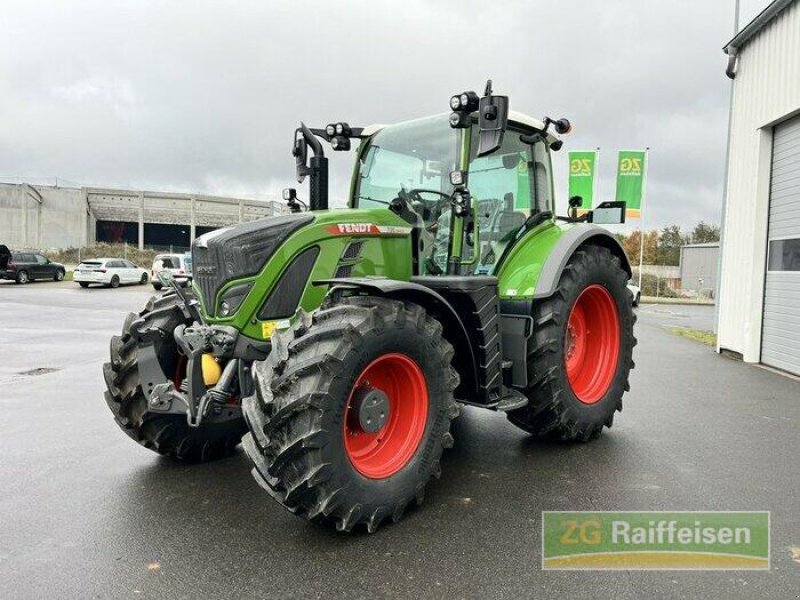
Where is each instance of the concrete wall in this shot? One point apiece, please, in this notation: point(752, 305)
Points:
point(766, 91)
point(42, 217)
point(699, 262)
point(47, 217)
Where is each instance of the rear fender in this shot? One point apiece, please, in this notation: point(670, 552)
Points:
point(571, 241)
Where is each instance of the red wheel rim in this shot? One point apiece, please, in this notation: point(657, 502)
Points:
point(382, 454)
point(592, 344)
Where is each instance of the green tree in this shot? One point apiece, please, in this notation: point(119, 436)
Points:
point(670, 241)
point(704, 233)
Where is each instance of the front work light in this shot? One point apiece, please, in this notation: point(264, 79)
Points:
point(340, 143)
point(458, 178)
point(468, 102)
point(459, 120)
point(330, 129)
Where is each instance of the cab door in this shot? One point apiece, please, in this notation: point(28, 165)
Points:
point(510, 185)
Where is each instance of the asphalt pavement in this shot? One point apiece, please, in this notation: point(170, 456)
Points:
point(87, 513)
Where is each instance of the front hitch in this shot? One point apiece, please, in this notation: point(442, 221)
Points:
point(199, 400)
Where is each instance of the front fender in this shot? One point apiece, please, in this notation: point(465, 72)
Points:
point(454, 331)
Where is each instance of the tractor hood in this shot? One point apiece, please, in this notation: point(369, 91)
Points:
point(240, 251)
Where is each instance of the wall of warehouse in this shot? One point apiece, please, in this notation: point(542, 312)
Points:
point(60, 220)
point(699, 268)
point(766, 91)
point(48, 217)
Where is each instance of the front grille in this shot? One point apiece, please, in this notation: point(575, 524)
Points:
point(240, 251)
point(343, 271)
point(286, 294)
point(353, 250)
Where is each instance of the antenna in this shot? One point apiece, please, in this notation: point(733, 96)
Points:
point(488, 91)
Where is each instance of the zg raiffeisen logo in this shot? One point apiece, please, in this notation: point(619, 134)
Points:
point(655, 540)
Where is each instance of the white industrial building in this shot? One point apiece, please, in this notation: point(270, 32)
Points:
point(698, 268)
point(39, 217)
point(759, 294)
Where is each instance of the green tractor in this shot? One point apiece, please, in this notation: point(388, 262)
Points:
point(345, 341)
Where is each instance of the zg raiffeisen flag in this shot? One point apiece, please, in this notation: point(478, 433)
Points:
point(582, 167)
point(631, 170)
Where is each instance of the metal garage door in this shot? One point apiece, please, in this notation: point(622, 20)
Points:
point(780, 345)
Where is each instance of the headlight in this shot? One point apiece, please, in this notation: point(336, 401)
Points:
point(455, 103)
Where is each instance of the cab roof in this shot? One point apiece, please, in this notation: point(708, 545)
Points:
point(513, 117)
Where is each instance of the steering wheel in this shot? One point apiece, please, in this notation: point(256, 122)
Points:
point(429, 210)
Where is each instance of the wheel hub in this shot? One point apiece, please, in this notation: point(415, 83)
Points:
point(372, 407)
point(385, 416)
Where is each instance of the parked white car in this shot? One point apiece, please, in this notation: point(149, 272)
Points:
point(110, 272)
point(636, 293)
point(180, 265)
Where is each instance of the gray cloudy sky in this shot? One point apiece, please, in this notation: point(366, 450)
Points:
point(203, 96)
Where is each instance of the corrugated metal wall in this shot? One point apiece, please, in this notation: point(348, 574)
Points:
point(699, 268)
point(766, 90)
point(781, 330)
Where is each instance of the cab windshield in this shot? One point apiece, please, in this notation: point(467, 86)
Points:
point(412, 159)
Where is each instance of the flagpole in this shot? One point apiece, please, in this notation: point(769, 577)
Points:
point(596, 190)
point(641, 212)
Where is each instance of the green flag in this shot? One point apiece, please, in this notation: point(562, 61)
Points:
point(631, 170)
point(582, 167)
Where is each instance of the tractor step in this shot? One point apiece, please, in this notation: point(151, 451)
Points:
point(511, 401)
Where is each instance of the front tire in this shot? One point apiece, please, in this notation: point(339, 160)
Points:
point(168, 434)
point(580, 354)
point(311, 441)
point(114, 282)
point(83, 284)
point(157, 285)
point(59, 276)
point(143, 280)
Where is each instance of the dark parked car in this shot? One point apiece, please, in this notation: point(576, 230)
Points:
point(23, 267)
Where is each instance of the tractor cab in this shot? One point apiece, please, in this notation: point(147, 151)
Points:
point(407, 168)
point(469, 182)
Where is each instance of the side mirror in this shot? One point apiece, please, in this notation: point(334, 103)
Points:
point(300, 153)
point(492, 121)
point(608, 213)
point(575, 201)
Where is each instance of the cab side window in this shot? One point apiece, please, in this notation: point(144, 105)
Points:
point(510, 185)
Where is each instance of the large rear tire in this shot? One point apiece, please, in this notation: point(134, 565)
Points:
point(580, 354)
point(312, 442)
point(166, 434)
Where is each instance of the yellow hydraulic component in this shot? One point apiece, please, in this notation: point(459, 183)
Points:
point(211, 369)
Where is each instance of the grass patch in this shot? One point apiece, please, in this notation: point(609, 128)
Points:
point(68, 276)
point(687, 301)
point(709, 338)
